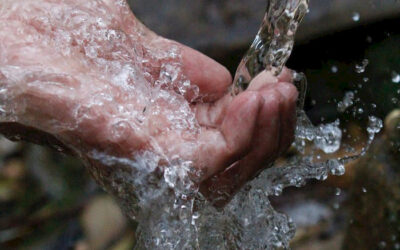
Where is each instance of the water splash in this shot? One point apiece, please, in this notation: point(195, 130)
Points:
point(347, 102)
point(360, 68)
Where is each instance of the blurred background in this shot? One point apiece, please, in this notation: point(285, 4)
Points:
point(347, 48)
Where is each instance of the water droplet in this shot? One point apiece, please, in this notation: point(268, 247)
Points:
point(338, 191)
point(277, 190)
point(360, 68)
point(397, 246)
point(322, 177)
point(375, 125)
point(334, 69)
point(329, 137)
point(364, 190)
point(336, 167)
point(348, 101)
point(356, 16)
point(395, 77)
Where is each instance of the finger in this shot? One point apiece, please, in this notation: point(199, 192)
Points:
point(267, 136)
point(212, 78)
point(212, 114)
point(219, 150)
point(266, 78)
point(265, 148)
point(263, 80)
point(275, 131)
point(286, 75)
point(287, 114)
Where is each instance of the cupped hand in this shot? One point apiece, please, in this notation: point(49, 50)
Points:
point(89, 75)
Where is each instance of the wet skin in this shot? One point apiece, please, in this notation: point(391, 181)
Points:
point(237, 136)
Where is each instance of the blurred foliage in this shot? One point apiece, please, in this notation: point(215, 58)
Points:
point(46, 199)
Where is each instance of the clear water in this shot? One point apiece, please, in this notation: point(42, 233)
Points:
point(171, 212)
point(274, 41)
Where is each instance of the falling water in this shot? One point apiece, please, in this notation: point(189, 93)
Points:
point(274, 41)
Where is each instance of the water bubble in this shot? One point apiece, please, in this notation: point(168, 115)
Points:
point(334, 69)
point(360, 68)
point(363, 189)
point(338, 191)
point(356, 16)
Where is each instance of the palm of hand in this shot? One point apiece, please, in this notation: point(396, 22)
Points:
point(94, 77)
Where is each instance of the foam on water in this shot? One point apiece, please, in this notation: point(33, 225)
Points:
point(92, 61)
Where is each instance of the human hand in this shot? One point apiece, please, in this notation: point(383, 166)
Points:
point(91, 76)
